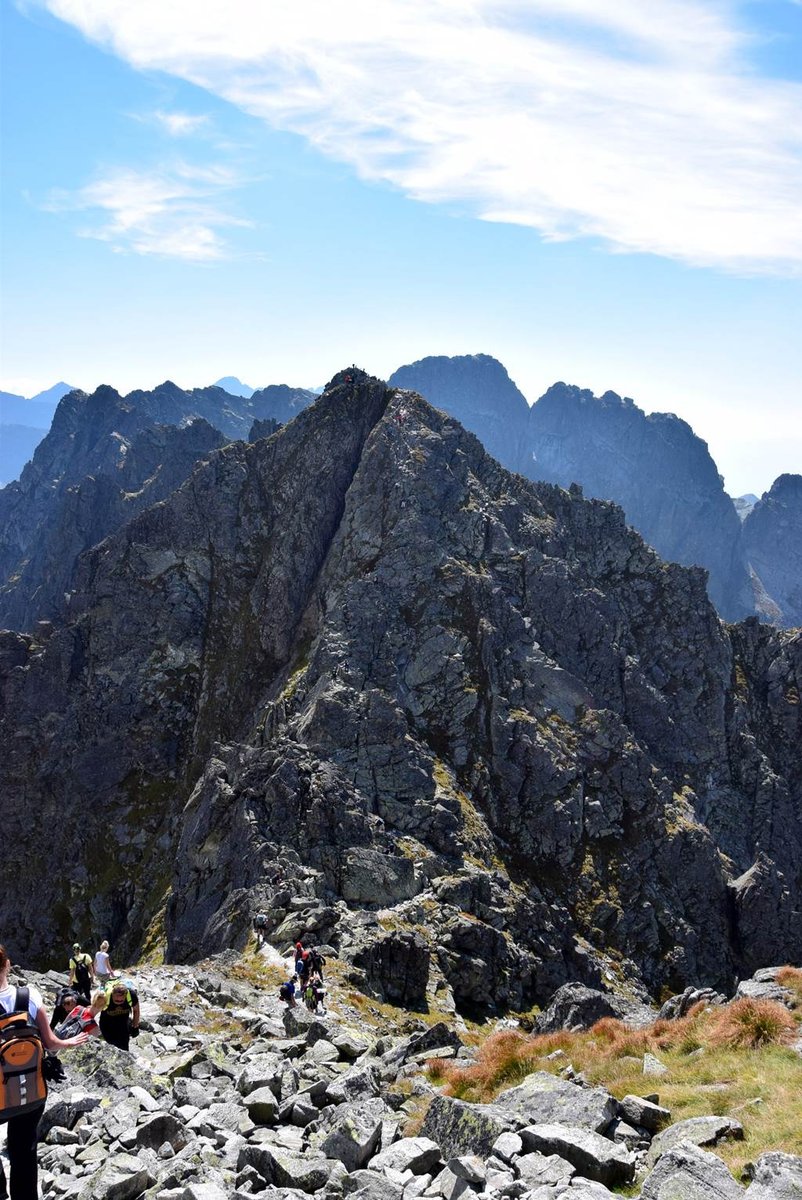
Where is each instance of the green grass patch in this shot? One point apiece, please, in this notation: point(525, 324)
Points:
point(732, 1061)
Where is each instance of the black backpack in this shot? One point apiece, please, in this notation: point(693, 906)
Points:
point(83, 980)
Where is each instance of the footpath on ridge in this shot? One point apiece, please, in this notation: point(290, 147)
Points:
point(229, 1095)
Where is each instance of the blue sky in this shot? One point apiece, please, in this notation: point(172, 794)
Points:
point(599, 191)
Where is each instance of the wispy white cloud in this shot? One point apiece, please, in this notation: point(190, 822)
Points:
point(173, 213)
point(179, 124)
point(645, 126)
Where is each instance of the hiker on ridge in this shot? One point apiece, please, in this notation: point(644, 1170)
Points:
point(119, 1020)
point(21, 1010)
point(66, 999)
point(103, 969)
point(81, 971)
point(84, 1017)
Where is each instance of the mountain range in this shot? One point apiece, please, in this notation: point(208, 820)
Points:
point(23, 424)
point(469, 728)
point(654, 466)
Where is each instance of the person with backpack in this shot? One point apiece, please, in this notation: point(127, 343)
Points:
point(24, 1036)
point(66, 999)
point(287, 992)
point(81, 971)
point(119, 1020)
point(314, 993)
point(84, 1017)
point(260, 924)
point(317, 962)
point(103, 969)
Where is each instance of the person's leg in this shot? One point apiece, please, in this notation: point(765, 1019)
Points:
point(22, 1142)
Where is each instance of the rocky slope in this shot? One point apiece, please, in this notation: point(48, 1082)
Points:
point(466, 728)
point(773, 543)
point(660, 473)
point(654, 466)
point(228, 1095)
point(477, 391)
point(105, 458)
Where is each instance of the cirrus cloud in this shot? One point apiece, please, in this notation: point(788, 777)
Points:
point(170, 213)
point(646, 127)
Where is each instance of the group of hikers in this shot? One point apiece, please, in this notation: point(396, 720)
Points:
point(29, 1041)
point(110, 1012)
point(306, 979)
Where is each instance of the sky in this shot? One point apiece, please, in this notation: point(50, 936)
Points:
point(604, 192)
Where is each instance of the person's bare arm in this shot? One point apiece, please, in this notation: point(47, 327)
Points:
point(135, 1016)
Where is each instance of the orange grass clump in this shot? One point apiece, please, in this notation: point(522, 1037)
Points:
point(791, 978)
point(751, 1023)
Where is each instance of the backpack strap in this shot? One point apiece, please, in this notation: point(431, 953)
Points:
point(22, 998)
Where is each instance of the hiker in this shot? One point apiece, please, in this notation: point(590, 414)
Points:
point(260, 924)
point(104, 971)
point(81, 971)
point(314, 993)
point(287, 992)
point(66, 999)
point(23, 1026)
point(119, 1020)
point(302, 967)
point(84, 1017)
point(317, 961)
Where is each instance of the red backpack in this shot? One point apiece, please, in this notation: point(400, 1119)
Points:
point(22, 1082)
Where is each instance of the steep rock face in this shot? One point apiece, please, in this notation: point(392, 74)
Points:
point(654, 466)
point(773, 543)
point(657, 469)
point(99, 446)
point(281, 403)
point(362, 649)
point(17, 444)
point(478, 392)
point(156, 461)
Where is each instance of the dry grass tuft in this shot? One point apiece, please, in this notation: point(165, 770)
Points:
point(730, 1061)
point(749, 1024)
point(791, 978)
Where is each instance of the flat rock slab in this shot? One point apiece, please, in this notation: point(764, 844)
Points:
point(594, 1157)
point(285, 1168)
point(417, 1154)
point(686, 1172)
point(544, 1099)
point(702, 1131)
point(638, 1111)
point(122, 1177)
point(540, 1170)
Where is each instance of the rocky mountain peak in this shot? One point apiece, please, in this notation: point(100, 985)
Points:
point(773, 541)
point(468, 729)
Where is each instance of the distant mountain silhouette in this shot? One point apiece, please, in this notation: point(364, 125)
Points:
point(773, 543)
point(230, 383)
point(23, 423)
point(654, 466)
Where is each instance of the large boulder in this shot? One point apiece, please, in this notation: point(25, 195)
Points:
point(776, 1176)
point(701, 1131)
point(593, 1156)
point(460, 1128)
point(687, 1172)
point(544, 1099)
point(575, 1006)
